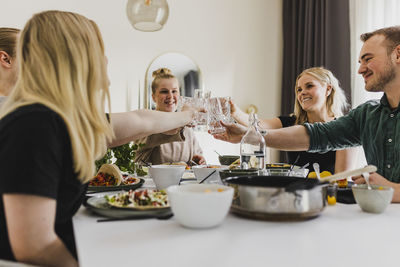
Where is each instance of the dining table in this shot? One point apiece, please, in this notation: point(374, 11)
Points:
point(342, 235)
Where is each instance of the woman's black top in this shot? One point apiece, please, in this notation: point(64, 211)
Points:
point(36, 159)
point(326, 161)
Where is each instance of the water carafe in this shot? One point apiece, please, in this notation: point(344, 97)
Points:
point(252, 146)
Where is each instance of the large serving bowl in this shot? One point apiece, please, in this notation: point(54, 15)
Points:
point(166, 175)
point(200, 205)
point(202, 171)
point(227, 159)
point(374, 200)
point(278, 198)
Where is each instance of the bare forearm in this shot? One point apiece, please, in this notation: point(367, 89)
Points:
point(293, 138)
point(396, 194)
point(130, 126)
point(30, 221)
point(345, 159)
point(54, 254)
point(241, 117)
point(273, 123)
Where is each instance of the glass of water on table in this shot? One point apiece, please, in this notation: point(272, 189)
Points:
point(218, 110)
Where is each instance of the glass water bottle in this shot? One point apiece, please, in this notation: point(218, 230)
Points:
point(252, 146)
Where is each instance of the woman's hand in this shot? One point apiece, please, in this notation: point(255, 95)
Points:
point(199, 159)
point(233, 132)
point(173, 131)
point(197, 114)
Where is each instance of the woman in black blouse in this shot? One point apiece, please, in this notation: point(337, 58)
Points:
point(319, 98)
point(52, 128)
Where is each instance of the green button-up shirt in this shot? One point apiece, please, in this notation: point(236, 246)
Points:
point(374, 125)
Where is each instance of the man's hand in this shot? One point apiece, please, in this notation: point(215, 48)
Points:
point(233, 132)
point(199, 159)
point(374, 178)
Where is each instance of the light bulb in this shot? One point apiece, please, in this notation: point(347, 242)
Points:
point(147, 15)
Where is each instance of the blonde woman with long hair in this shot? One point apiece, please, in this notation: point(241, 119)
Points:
point(319, 98)
point(53, 126)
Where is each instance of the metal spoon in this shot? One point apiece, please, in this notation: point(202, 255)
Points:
point(202, 181)
point(305, 165)
point(145, 163)
point(316, 169)
point(366, 177)
point(217, 153)
point(294, 163)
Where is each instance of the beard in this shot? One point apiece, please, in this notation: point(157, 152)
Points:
point(387, 75)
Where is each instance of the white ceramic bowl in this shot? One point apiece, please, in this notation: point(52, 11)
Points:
point(166, 175)
point(202, 171)
point(374, 200)
point(200, 205)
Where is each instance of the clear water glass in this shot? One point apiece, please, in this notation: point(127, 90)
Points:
point(215, 116)
point(197, 103)
point(226, 109)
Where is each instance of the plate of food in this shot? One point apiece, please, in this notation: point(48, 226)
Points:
point(106, 205)
point(147, 199)
point(110, 178)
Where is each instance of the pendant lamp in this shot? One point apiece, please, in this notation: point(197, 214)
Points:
point(147, 15)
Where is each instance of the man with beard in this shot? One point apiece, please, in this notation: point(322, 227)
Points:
point(375, 124)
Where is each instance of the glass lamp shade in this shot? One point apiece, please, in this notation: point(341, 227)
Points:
point(147, 15)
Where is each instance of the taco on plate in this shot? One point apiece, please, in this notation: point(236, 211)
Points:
point(108, 174)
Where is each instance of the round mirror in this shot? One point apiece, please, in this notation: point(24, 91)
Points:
point(184, 69)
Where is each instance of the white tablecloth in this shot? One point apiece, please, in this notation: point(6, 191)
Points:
point(342, 235)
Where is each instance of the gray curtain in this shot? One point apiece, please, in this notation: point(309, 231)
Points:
point(315, 33)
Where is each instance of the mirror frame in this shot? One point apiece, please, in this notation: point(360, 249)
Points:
point(148, 79)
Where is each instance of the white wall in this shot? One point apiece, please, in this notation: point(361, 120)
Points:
point(236, 43)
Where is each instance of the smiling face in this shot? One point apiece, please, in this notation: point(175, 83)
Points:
point(311, 94)
point(167, 95)
point(376, 66)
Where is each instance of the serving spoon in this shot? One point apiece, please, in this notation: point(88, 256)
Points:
point(366, 177)
point(339, 176)
point(217, 153)
point(345, 174)
point(316, 169)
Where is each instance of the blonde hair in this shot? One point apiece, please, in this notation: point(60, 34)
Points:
point(8, 40)
point(63, 66)
point(336, 102)
point(161, 73)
